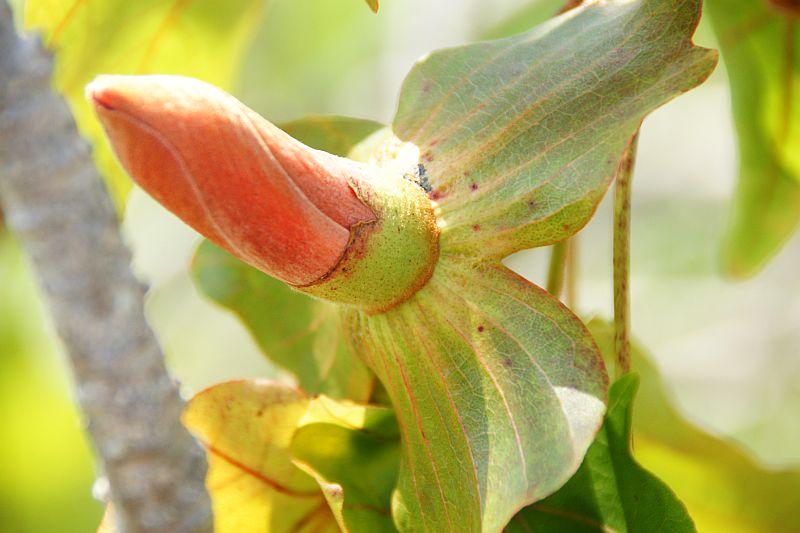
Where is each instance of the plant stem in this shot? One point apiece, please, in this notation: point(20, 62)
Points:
point(572, 273)
point(56, 204)
point(622, 243)
point(555, 275)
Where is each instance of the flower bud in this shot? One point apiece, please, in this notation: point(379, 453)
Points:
point(237, 179)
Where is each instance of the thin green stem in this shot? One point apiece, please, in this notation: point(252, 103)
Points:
point(572, 273)
point(622, 243)
point(555, 276)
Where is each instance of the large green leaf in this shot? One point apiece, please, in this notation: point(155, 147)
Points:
point(610, 491)
point(299, 333)
point(522, 136)
point(724, 489)
point(354, 453)
point(498, 389)
point(761, 48)
point(260, 437)
point(89, 37)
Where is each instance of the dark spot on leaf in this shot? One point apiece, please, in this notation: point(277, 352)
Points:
point(531, 204)
point(435, 195)
point(480, 328)
point(507, 362)
point(259, 413)
point(426, 86)
point(473, 187)
point(476, 227)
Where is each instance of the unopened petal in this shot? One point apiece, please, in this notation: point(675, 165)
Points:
point(237, 179)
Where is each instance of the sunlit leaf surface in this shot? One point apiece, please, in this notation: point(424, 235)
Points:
point(203, 39)
point(610, 491)
point(246, 428)
point(761, 48)
point(260, 437)
point(299, 333)
point(724, 489)
point(522, 136)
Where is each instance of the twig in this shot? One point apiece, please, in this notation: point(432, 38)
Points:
point(622, 243)
point(555, 274)
point(55, 202)
point(572, 274)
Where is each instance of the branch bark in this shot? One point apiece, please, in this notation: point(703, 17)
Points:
point(55, 202)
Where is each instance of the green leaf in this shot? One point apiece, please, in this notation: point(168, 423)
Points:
point(761, 48)
point(90, 37)
point(724, 489)
point(246, 428)
point(333, 134)
point(498, 389)
point(260, 437)
point(299, 333)
point(354, 453)
point(610, 491)
point(522, 136)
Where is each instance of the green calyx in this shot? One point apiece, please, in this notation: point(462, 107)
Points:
point(390, 259)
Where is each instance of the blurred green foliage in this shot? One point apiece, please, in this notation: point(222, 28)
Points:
point(91, 37)
point(46, 471)
point(761, 48)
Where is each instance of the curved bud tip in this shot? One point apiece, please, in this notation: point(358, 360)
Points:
point(237, 179)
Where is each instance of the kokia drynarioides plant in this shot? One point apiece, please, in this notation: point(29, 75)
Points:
point(496, 147)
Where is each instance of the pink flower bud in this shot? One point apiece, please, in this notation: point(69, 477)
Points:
point(270, 200)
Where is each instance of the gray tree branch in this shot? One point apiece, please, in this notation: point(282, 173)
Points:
point(56, 204)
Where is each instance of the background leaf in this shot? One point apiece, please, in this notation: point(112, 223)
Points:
point(522, 136)
point(498, 390)
point(610, 491)
point(354, 453)
point(761, 48)
point(90, 37)
point(724, 489)
point(246, 428)
point(299, 333)
point(333, 134)
point(260, 436)
point(524, 18)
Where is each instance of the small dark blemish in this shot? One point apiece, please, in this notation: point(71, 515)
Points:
point(507, 362)
point(473, 187)
point(476, 227)
point(480, 329)
point(531, 204)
